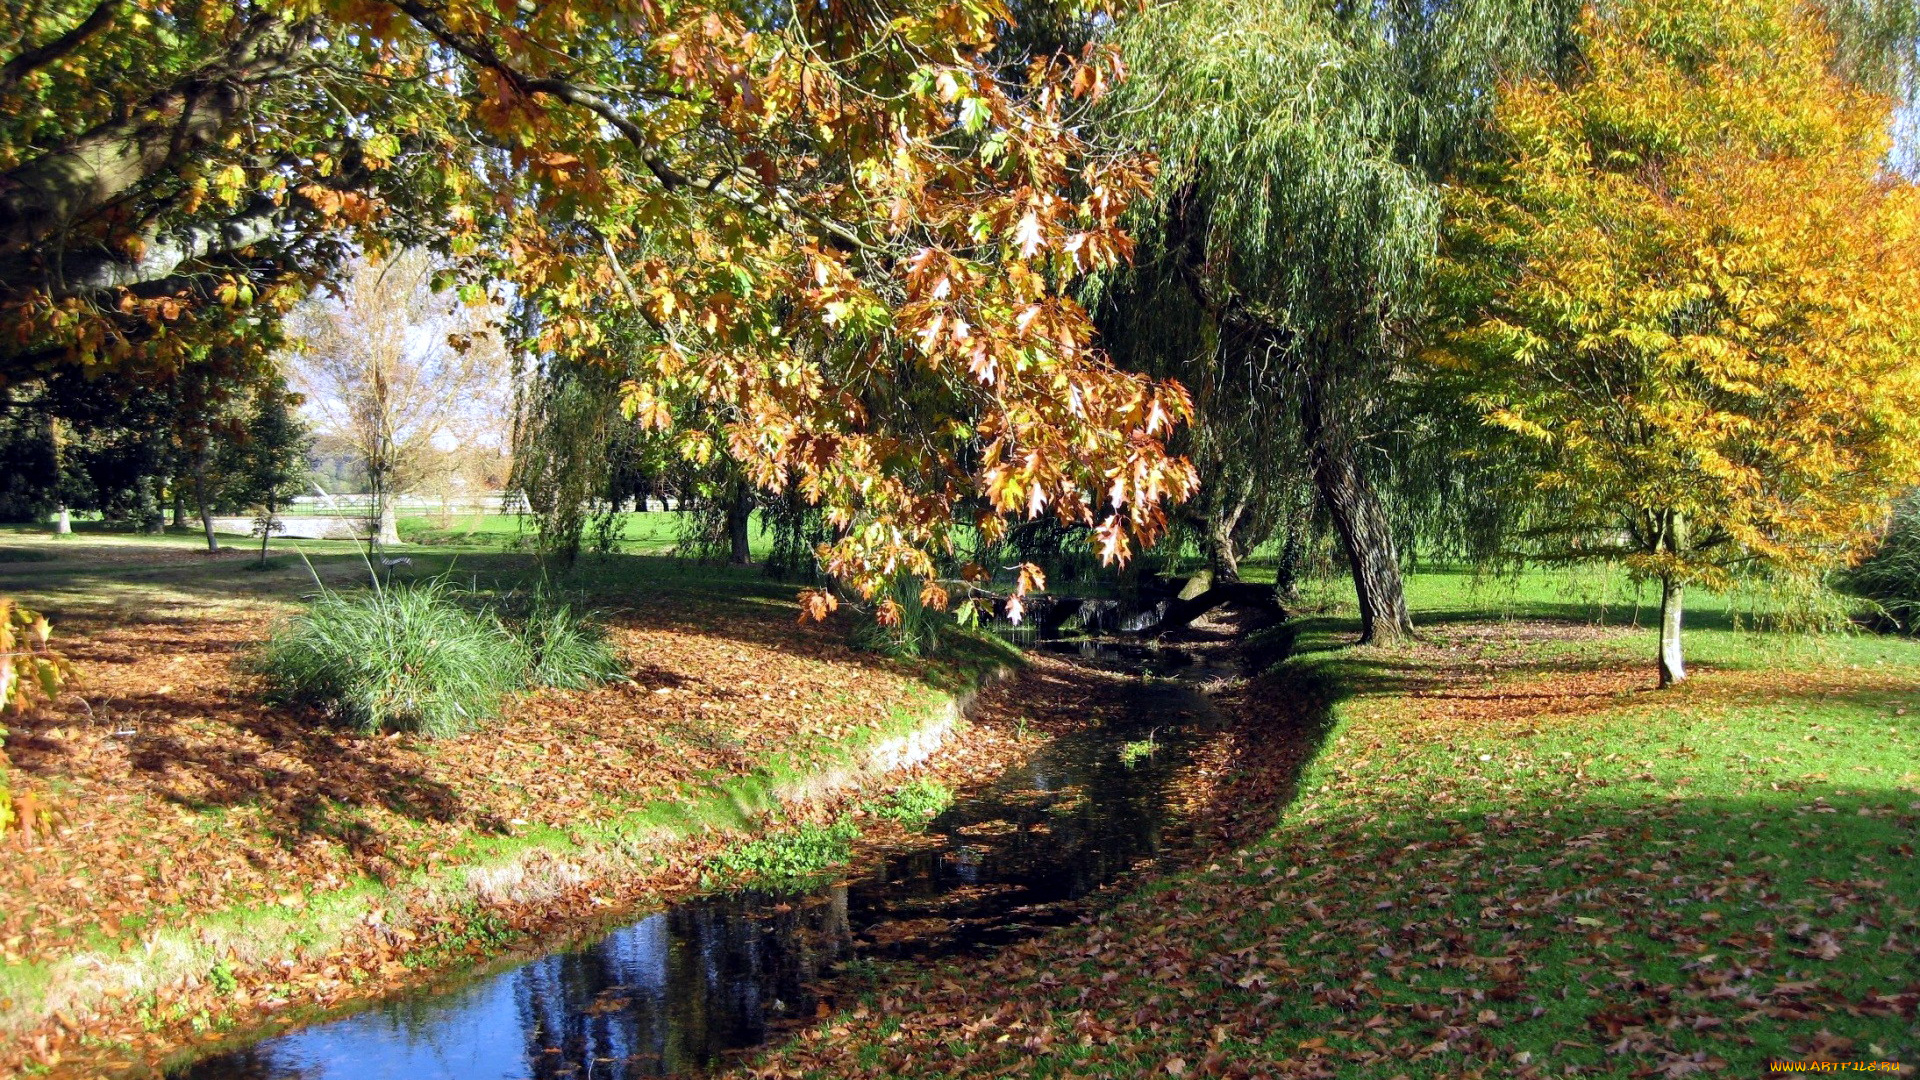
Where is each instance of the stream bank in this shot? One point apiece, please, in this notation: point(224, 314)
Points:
point(192, 862)
point(1105, 802)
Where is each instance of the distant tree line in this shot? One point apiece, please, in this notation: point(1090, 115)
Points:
point(144, 458)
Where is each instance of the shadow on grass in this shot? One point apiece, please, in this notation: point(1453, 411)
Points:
point(1281, 720)
point(308, 776)
point(641, 590)
point(1616, 937)
point(1590, 929)
point(1328, 644)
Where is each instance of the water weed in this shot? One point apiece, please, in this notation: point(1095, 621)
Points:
point(914, 803)
point(787, 858)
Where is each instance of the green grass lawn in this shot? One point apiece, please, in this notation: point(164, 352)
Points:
point(652, 532)
point(1508, 855)
point(118, 573)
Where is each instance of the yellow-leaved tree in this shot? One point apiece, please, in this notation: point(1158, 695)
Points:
point(1689, 297)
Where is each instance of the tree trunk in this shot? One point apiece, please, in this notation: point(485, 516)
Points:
point(1358, 517)
point(1293, 550)
point(1362, 524)
point(62, 522)
point(153, 521)
point(1223, 555)
point(739, 518)
point(388, 534)
point(266, 532)
point(200, 496)
point(1673, 668)
point(179, 503)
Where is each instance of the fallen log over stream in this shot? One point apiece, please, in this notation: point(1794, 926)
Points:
point(1146, 617)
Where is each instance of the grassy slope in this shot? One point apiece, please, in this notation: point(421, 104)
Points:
point(148, 602)
point(1508, 857)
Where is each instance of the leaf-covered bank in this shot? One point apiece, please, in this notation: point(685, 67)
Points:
point(216, 861)
point(1508, 857)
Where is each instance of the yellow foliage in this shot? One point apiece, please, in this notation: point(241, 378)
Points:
point(27, 663)
point(1695, 293)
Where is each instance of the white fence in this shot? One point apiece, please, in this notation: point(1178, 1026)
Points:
point(300, 527)
point(408, 505)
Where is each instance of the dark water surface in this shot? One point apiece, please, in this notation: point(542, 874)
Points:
point(685, 989)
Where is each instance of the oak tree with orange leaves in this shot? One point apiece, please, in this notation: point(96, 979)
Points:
point(1691, 286)
point(845, 233)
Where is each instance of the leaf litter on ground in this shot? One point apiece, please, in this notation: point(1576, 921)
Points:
point(177, 800)
point(1494, 855)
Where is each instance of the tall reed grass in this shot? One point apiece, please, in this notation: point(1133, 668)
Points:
point(425, 657)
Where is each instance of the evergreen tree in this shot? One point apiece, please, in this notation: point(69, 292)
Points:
point(269, 465)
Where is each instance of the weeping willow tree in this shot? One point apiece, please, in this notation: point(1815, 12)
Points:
point(577, 456)
point(568, 435)
point(1248, 456)
point(1284, 259)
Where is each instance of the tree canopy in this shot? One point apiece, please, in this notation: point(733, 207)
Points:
point(1688, 293)
point(1295, 218)
point(841, 252)
point(812, 213)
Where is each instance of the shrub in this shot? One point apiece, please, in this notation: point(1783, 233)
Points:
point(404, 657)
point(1890, 577)
point(567, 650)
point(1132, 752)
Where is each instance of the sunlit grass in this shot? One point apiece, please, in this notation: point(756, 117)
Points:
point(1509, 855)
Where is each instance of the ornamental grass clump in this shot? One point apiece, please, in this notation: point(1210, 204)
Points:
point(912, 629)
point(398, 657)
point(567, 649)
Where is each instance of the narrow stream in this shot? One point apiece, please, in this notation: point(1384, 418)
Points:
point(690, 987)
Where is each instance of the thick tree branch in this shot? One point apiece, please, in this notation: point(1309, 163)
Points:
point(167, 252)
point(41, 55)
point(43, 197)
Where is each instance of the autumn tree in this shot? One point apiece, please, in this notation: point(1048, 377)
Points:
point(1689, 291)
point(808, 210)
point(172, 179)
point(399, 373)
point(877, 309)
point(174, 176)
point(1291, 229)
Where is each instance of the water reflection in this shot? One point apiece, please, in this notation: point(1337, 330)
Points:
point(680, 990)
